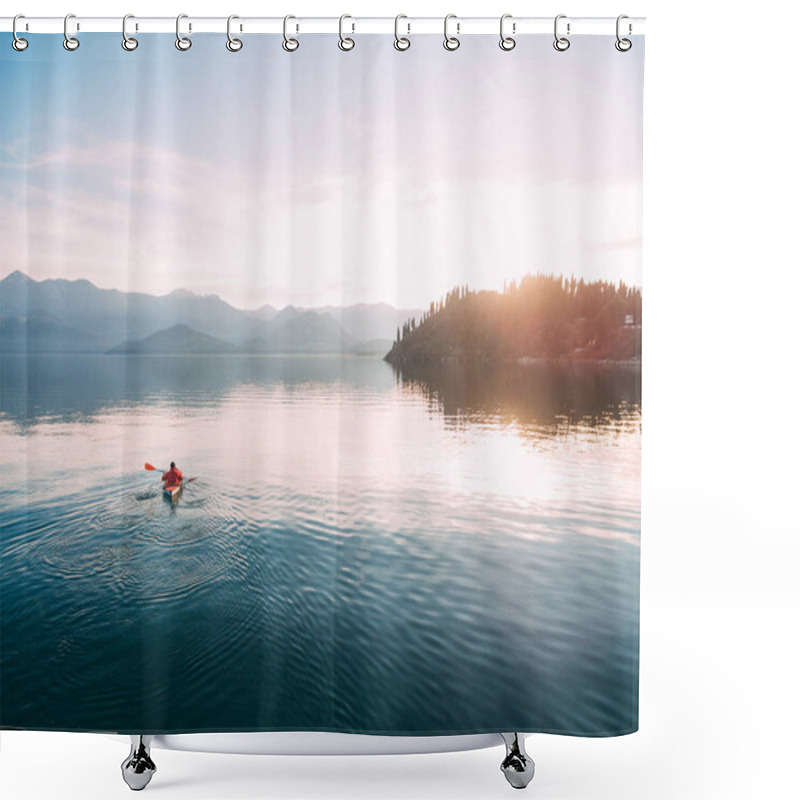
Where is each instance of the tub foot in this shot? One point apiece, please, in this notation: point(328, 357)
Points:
point(517, 766)
point(138, 767)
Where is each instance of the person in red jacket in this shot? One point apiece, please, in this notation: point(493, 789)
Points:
point(174, 477)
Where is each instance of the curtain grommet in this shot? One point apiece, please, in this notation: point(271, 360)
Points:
point(401, 43)
point(183, 43)
point(561, 43)
point(507, 43)
point(70, 43)
point(451, 43)
point(346, 43)
point(128, 42)
point(233, 44)
point(17, 42)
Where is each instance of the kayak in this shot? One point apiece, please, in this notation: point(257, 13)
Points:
point(172, 492)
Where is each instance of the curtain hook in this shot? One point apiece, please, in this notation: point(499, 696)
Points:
point(346, 43)
point(401, 42)
point(623, 45)
point(506, 42)
point(70, 42)
point(234, 45)
point(18, 43)
point(561, 43)
point(128, 42)
point(289, 45)
point(451, 42)
point(181, 42)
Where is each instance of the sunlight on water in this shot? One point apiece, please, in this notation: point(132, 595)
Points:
point(361, 550)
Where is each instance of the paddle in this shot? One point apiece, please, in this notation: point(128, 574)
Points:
point(151, 468)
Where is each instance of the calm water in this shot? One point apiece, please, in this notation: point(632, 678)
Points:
point(361, 551)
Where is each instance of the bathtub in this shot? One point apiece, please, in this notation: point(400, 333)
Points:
point(138, 768)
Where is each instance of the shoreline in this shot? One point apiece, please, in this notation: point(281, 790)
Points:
point(520, 361)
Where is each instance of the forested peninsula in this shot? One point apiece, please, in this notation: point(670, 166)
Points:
point(539, 317)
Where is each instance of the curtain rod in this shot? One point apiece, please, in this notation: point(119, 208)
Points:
point(307, 25)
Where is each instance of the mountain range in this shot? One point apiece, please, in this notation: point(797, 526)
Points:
point(75, 316)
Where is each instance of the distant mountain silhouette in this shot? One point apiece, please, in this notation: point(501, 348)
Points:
point(266, 312)
point(177, 340)
point(305, 332)
point(59, 315)
point(293, 331)
point(280, 318)
point(369, 321)
point(112, 316)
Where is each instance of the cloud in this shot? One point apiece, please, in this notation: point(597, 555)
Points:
point(629, 243)
point(343, 192)
point(150, 218)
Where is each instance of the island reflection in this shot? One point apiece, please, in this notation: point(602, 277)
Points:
point(551, 396)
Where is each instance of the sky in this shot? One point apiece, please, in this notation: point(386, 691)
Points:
point(319, 177)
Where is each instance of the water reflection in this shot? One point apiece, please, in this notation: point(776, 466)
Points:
point(58, 388)
point(354, 555)
point(552, 396)
point(548, 395)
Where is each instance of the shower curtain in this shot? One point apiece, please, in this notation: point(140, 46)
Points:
point(321, 372)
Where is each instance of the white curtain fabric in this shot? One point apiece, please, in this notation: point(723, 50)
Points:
point(382, 310)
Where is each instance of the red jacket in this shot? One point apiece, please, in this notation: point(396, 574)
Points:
point(173, 477)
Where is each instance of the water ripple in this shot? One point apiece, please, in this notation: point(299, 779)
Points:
point(354, 557)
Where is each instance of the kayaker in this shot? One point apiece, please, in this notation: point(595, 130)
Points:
point(174, 477)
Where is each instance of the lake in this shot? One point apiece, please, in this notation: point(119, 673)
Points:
point(363, 550)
